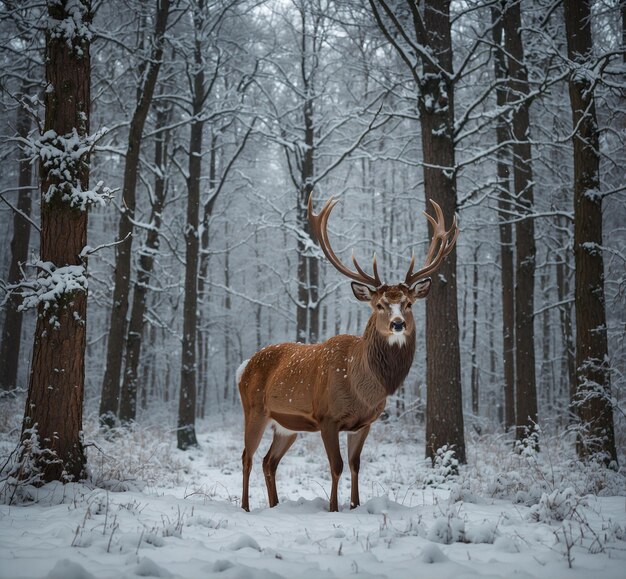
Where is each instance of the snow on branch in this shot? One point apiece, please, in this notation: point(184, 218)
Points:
point(75, 28)
point(63, 157)
point(49, 285)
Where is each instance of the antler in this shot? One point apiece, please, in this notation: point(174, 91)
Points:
point(441, 245)
point(319, 225)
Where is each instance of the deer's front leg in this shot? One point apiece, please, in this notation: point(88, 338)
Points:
point(330, 436)
point(355, 446)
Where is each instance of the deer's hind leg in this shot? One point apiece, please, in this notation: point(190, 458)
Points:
point(280, 445)
point(255, 426)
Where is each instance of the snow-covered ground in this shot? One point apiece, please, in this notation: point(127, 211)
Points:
point(153, 511)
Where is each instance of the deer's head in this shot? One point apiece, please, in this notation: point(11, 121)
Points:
point(391, 304)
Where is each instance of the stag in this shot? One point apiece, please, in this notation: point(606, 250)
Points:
point(341, 384)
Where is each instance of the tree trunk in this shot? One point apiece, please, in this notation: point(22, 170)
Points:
point(128, 402)
point(525, 387)
point(506, 228)
point(54, 406)
point(593, 394)
point(444, 412)
point(187, 395)
point(475, 373)
point(307, 315)
point(568, 358)
point(109, 400)
point(12, 329)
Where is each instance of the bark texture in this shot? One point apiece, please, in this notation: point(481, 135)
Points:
point(54, 407)
point(593, 385)
point(186, 432)
point(444, 405)
point(435, 83)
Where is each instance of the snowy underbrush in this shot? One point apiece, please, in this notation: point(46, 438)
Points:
point(152, 510)
point(498, 469)
point(134, 457)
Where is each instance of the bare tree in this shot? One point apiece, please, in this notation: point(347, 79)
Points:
point(428, 56)
point(12, 328)
point(147, 254)
point(525, 383)
point(109, 401)
point(593, 392)
point(505, 206)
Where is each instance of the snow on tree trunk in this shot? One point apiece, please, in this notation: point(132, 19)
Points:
point(52, 425)
point(593, 394)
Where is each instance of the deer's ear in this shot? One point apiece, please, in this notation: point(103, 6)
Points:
point(361, 292)
point(420, 289)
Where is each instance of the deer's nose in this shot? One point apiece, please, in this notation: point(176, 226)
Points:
point(398, 325)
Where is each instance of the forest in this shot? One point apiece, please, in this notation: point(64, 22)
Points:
point(168, 173)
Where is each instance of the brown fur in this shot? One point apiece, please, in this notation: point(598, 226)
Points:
point(339, 385)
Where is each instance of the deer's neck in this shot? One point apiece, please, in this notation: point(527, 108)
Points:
point(390, 363)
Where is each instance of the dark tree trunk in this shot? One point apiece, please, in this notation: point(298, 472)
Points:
point(593, 394)
point(506, 228)
point(307, 315)
point(128, 401)
point(475, 372)
point(525, 387)
point(187, 395)
point(444, 411)
point(109, 401)
point(203, 351)
point(54, 407)
point(12, 329)
point(568, 358)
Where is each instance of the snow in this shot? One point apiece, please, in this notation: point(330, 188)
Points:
point(153, 511)
point(74, 29)
point(63, 157)
point(51, 284)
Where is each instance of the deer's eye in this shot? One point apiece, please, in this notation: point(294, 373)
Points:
point(409, 306)
point(380, 307)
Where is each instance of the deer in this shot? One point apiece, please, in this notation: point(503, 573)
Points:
point(342, 384)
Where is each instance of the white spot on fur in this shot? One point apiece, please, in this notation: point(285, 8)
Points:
point(396, 312)
point(397, 339)
point(281, 430)
point(240, 370)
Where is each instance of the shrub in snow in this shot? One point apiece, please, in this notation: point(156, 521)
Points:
point(447, 530)
point(26, 458)
point(556, 506)
point(445, 468)
point(483, 532)
point(433, 554)
point(133, 457)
